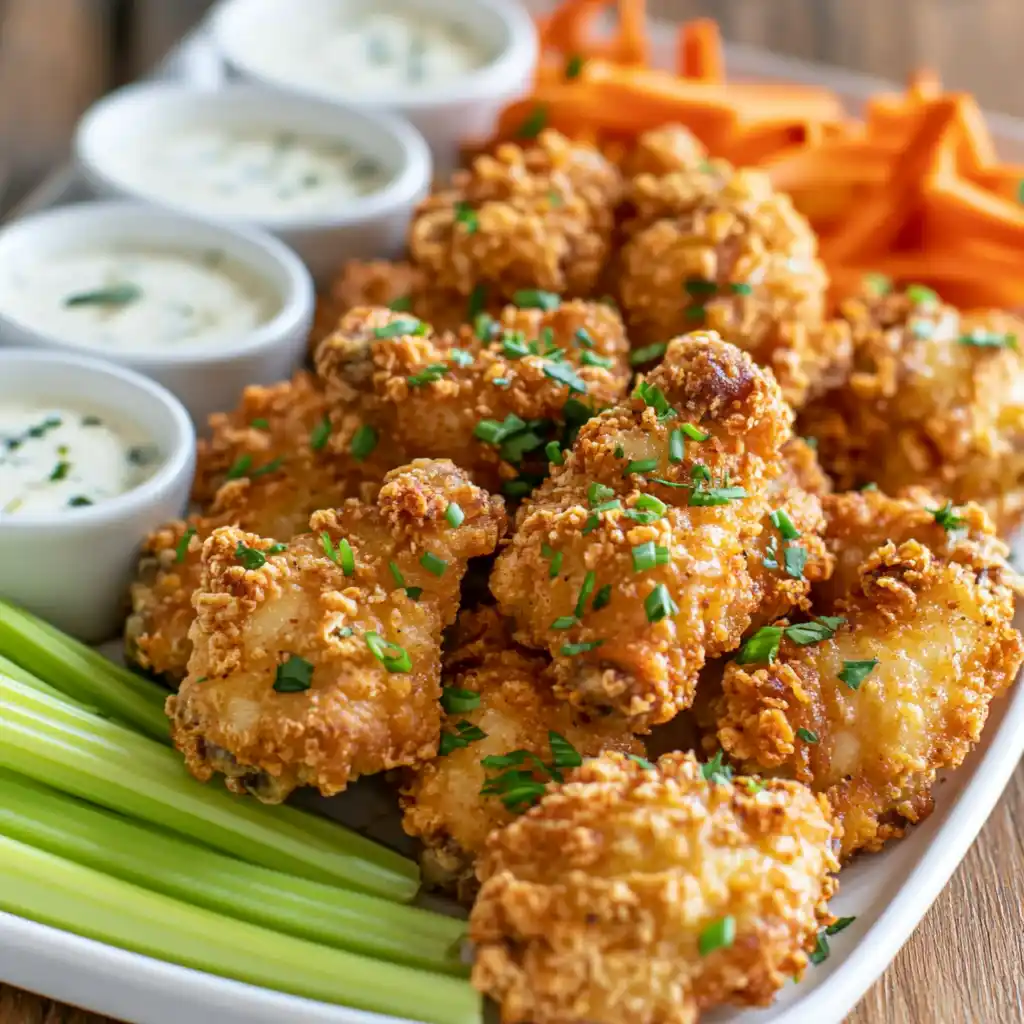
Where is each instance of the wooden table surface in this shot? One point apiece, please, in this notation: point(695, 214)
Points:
point(965, 963)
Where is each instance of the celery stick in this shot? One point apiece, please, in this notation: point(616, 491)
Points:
point(163, 862)
point(83, 674)
point(108, 764)
point(60, 893)
point(9, 668)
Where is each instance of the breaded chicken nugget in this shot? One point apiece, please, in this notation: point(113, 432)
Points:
point(490, 397)
point(500, 695)
point(650, 894)
point(868, 706)
point(933, 399)
point(538, 215)
point(630, 564)
point(718, 250)
point(318, 660)
point(672, 147)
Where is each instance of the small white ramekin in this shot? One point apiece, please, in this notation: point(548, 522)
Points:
point(206, 378)
point(73, 567)
point(369, 226)
point(447, 114)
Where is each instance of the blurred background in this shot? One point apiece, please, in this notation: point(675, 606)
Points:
point(57, 56)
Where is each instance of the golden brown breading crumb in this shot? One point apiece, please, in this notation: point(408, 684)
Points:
point(428, 393)
point(902, 690)
point(723, 251)
point(932, 400)
point(673, 147)
point(361, 695)
point(596, 903)
point(629, 564)
point(534, 216)
point(517, 711)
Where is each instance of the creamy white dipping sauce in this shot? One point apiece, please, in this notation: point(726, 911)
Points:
point(54, 458)
point(362, 49)
point(252, 173)
point(134, 299)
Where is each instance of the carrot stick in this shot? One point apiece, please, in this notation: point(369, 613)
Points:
point(700, 51)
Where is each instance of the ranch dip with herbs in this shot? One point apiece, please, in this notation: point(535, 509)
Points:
point(362, 48)
point(58, 458)
point(123, 299)
point(252, 173)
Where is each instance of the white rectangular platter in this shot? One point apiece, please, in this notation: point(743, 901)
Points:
point(888, 893)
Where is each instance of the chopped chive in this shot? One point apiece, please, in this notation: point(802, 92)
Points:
point(295, 675)
point(694, 433)
point(364, 440)
point(428, 375)
point(534, 298)
point(320, 434)
point(394, 658)
point(116, 295)
point(396, 574)
point(260, 424)
point(716, 770)
point(589, 581)
point(807, 735)
point(465, 733)
point(877, 284)
point(919, 295)
point(853, 673)
point(741, 288)
point(602, 598)
point(434, 565)
point(403, 304)
point(592, 359)
point(841, 924)
point(239, 467)
point(534, 122)
point(60, 471)
point(980, 338)
point(648, 353)
point(553, 451)
point(583, 338)
point(573, 66)
point(821, 950)
point(454, 514)
point(79, 501)
point(456, 701)
point(397, 328)
point(466, 216)
point(700, 286)
point(598, 493)
point(648, 555)
point(181, 548)
point(720, 934)
point(271, 467)
point(565, 622)
point(640, 466)
point(642, 761)
point(659, 604)
point(781, 521)
point(460, 357)
point(571, 650)
point(556, 560)
point(565, 374)
point(653, 396)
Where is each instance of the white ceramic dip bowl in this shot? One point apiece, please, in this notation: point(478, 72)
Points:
point(71, 563)
point(332, 182)
point(448, 66)
point(203, 309)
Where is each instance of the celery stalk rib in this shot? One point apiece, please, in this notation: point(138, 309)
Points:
point(108, 764)
point(57, 892)
point(157, 860)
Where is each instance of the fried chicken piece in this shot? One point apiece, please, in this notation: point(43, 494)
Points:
point(309, 669)
point(511, 701)
point(869, 715)
point(672, 147)
point(933, 399)
point(723, 251)
point(489, 398)
point(651, 895)
point(629, 564)
point(537, 215)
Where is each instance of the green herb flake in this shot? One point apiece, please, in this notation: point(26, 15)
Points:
point(980, 338)
point(60, 471)
point(640, 466)
point(803, 634)
point(919, 295)
point(648, 353)
point(589, 582)
point(841, 924)
point(592, 359)
point(460, 357)
point(434, 565)
point(456, 701)
point(430, 374)
point(794, 561)
point(565, 374)
point(553, 451)
point(642, 761)
point(465, 733)
point(659, 604)
point(762, 648)
point(477, 302)
point(251, 558)
point(821, 950)
point(397, 328)
point(403, 304)
point(720, 934)
point(556, 560)
point(466, 216)
point(320, 434)
point(877, 284)
point(853, 673)
point(271, 467)
point(648, 555)
point(572, 650)
point(741, 288)
point(947, 518)
point(364, 440)
point(116, 295)
point(295, 675)
point(534, 122)
point(454, 514)
point(181, 548)
point(716, 770)
point(573, 66)
point(534, 298)
point(394, 658)
point(259, 424)
point(602, 598)
point(493, 432)
point(807, 735)
point(79, 501)
point(781, 521)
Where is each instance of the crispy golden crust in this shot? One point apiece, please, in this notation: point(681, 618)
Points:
point(594, 901)
point(921, 407)
point(672, 147)
point(539, 216)
point(942, 636)
point(641, 669)
point(442, 801)
point(426, 393)
point(722, 251)
point(356, 717)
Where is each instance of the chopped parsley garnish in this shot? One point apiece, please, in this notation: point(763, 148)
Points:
point(454, 514)
point(251, 558)
point(428, 375)
point(919, 295)
point(457, 702)
point(294, 675)
point(659, 604)
point(534, 298)
point(403, 304)
point(654, 397)
point(583, 338)
point(460, 357)
point(465, 733)
point(514, 448)
point(513, 346)
point(60, 471)
point(79, 501)
point(642, 761)
point(565, 622)
point(807, 735)
point(592, 359)
point(763, 646)
point(553, 451)
point(947, 518)
point(803, 634)
point(620, 452)
point(477, 301)
point(720, 934)
point(571, 650)
point(841, 924)
point(399, 327)
point(393, 657)
point(466, 216)
point(181, 548)
point(565, 374)
point(741, 288)
point(493, 432)
point(259, 424)
point(872, 486)
point(794, 561)
point(484, 326)
point(364, 440)
point(116, 295)
point(700, 286)
point(598, 493)
point(716, 770)
point(853, 673)
point(781, 521)
point(602, 598)
point(534, 122)
point(648, 555)
point(320, 435)
point(754, 786)
point(821, 950)
point(573, 66)
point(434, 565)
point(563, 753)
point(239, 468)
point(648, 353)
point(980, 338)
point(554, 198)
